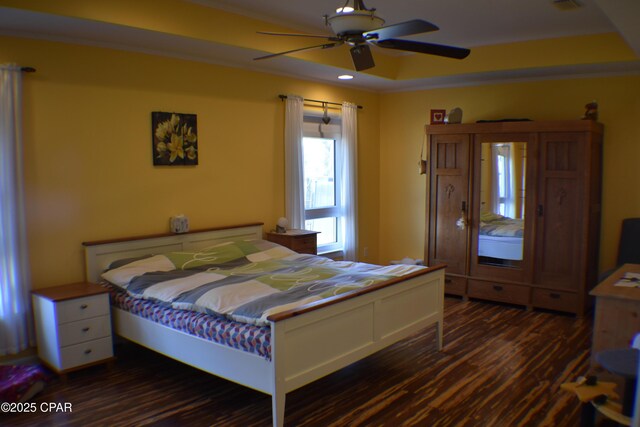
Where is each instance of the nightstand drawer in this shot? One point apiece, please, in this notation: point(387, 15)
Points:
point(301, 241)
point(305, 241)
point(84, 330)
point(304, 245)
point(82, 308)
point(82, 354)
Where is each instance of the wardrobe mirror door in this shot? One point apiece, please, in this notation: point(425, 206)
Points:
point(502, 203)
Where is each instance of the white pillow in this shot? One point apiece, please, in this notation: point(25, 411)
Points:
point(121, 276)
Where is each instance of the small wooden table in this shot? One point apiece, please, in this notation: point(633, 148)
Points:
point(617, 315)
point(617, 320)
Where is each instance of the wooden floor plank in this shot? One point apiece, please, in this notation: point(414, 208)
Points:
point(500, 366)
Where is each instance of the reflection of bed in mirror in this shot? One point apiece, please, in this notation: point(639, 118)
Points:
point(500, 237)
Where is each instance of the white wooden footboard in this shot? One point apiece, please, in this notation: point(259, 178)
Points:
point(306, 344)
point(317, 343)
point(226, 362)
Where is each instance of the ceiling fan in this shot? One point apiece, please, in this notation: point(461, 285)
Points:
point(359, 27)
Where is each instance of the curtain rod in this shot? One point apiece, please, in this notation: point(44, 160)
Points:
point(283, 97)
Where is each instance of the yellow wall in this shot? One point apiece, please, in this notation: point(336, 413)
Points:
point(88, 148)
point(402, 189)
point(87, 138)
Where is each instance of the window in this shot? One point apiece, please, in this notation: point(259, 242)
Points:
point(323, 213)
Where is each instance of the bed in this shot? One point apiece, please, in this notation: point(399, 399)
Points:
point(500, 236)
point(305, 343)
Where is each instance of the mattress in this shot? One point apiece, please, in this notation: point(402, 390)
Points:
point(241, 336)
point(500, 247)
point(500, 236)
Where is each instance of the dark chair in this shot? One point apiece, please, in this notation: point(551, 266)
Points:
point(628, 247)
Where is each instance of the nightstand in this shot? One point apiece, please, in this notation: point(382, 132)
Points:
point(301, 241)
point(73, 326)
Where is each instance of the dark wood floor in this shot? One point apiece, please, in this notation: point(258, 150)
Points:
point(500, 366)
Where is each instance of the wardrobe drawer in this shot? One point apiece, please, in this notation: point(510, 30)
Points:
point(513, 294)
point(82, 308)
point(555, 300)
point(455, 285)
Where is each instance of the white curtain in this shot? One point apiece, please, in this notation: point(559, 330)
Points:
point(503, 185)
point(510, 182)
point(348, 179)
point(293, 161)
point(495, 178)
point(15, 317)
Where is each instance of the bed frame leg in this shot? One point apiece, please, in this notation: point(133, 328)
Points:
point(277, 403)
point(278, 391)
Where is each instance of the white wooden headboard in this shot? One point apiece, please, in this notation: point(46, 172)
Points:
point(98, 255)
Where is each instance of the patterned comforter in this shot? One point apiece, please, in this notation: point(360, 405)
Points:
point(244, 280)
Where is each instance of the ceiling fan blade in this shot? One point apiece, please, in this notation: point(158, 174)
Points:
point(319, 36)
point(428, 48)
point(415, 26)
point(362, 58)
point(320, 46)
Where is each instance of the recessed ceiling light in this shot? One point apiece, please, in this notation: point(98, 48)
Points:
point(345, 77)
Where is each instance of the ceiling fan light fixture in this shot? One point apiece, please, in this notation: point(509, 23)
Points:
point(354, 18)
point(354, 23)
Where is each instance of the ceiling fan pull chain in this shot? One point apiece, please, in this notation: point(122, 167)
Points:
point(341, 9)
point(359, 5)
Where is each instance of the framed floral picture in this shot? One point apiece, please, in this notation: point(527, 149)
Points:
point(175, 139)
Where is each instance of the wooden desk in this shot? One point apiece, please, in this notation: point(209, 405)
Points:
point(617, 316)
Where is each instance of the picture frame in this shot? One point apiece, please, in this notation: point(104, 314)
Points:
point(174, 138)
point(437, 117)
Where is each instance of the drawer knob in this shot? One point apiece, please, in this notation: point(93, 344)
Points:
point(554, 295)
point(87, 351)
point(448, 281)
point(84, 306)
point(85, 329)
point(498, 288)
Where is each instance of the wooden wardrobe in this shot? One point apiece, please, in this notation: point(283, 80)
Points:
point(513, 209)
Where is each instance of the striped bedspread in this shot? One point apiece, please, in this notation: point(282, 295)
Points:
point(492, 224)
point(245, 280)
